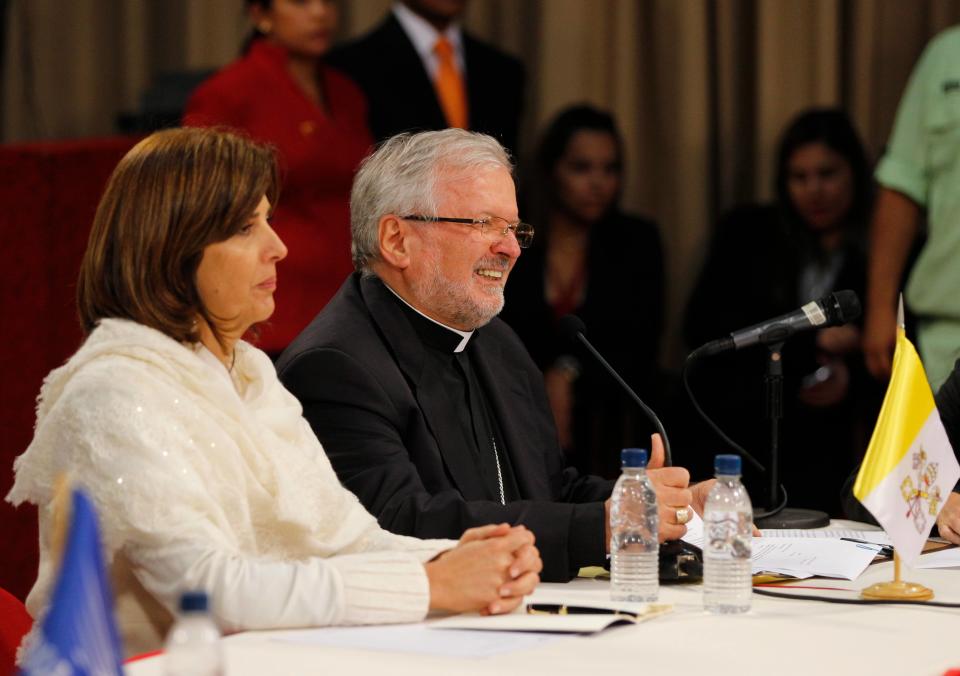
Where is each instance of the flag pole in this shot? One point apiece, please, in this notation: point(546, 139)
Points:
point(62, 492)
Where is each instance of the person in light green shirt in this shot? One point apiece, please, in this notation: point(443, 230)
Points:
point(920, 176)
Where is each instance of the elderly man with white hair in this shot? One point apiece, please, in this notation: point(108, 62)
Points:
point(429, 407)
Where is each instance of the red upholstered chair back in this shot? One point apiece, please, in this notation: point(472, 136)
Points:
point(15, 622)
point(49, 193)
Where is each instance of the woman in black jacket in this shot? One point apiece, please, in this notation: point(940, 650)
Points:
point(591, 259)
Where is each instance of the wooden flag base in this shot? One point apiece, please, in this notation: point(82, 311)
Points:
point(897, 589)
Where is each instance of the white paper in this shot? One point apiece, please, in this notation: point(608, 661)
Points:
point(945, 558)
point(875, 536)
point(822, 555)
point(417, 638)
point(573, 624)
point(694, 534)
point(812, 556)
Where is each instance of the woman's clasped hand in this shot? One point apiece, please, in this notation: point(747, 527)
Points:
point(491, 569)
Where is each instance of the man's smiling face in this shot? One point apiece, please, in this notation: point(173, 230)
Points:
point(459, 272)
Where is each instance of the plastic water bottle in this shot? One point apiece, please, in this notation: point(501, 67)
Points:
point(633, 532)
point(193, 644)
point(727, 542)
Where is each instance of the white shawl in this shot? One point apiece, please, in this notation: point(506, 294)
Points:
point(200, 482)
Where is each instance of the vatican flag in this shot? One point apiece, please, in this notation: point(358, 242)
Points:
point(910, 468)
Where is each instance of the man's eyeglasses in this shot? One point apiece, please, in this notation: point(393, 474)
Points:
point(487, 225)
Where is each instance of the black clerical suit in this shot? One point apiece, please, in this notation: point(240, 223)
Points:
point(389, 407)
point(401, 96)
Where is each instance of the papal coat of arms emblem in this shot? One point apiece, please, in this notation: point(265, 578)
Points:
point(921, 495)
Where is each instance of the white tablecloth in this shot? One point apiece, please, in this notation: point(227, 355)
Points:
point(775, 637)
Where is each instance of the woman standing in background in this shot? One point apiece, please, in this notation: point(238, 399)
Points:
point(593, 260)
point(280, 92)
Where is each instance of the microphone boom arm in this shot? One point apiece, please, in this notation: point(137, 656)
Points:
point(667, 455)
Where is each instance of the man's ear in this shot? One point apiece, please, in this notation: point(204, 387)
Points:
point(392, 236)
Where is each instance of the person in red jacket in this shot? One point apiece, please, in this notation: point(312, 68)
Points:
point(281, 92)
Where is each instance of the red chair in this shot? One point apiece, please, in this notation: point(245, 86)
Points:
point(15, 622)
point(49, 192)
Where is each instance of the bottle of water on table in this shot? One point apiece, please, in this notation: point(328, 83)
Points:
point(727, 541)
point(193, 643)
point(633, 532)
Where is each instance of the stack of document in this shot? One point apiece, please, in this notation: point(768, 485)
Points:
point(806, 553)
point(806, 557)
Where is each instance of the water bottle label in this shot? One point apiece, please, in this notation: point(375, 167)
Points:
point(728, 535)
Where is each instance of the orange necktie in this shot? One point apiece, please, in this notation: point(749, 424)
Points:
point(449, 85)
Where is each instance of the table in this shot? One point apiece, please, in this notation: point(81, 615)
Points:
point(776, 636)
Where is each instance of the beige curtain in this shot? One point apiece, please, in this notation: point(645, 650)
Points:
point(701, 88)
point(71, 67)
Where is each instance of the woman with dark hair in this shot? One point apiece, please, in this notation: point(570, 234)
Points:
point(591, 259)
point(281, 92)
point(768, 260)
point(203, 470)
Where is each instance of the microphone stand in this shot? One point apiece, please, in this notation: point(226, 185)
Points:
point(773, 394)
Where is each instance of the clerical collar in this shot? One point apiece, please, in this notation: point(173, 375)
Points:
point(449, 339)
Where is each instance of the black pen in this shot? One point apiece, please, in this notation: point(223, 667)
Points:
point(561, 609)
point(885, 550)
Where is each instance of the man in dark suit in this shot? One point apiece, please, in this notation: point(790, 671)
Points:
point(428, 406)
point(399, 68)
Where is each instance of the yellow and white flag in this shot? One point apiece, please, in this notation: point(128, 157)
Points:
point(910, 468)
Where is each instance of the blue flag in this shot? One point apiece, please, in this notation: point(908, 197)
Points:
point(78, 635)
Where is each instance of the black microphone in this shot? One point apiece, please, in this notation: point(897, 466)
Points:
point(837, 308)
point(572, 327)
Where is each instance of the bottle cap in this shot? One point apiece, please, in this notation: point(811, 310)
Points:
point(727, 464)
point(194, 601)
point(633, 457)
